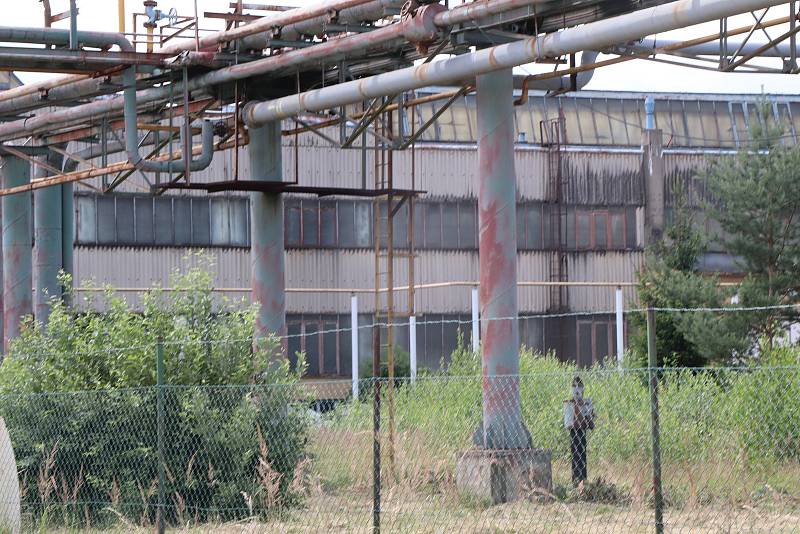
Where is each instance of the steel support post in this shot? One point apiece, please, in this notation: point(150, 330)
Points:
point(266, 219)
point(67, 227)
point(48, 237)
point(354, 343)
point(17, 252)
point(502, 421)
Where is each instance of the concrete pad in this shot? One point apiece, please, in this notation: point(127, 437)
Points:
point(498, 476)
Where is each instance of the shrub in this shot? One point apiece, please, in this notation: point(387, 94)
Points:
point(79, 400)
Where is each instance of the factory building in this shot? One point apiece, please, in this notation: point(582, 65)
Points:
point(587, 197)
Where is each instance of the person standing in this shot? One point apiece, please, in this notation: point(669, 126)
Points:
point(579, 418)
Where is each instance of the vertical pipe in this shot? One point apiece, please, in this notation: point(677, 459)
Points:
point(658, 499)
point(618, 306)
point(354, 343)
point(17, 253)
point(48, 235)
point(161, 520)
point(73, 25)
point(67, 229)
point(376, 430)
point(121, 15)
point(266, 250)
point(476, 325)
point(412, 347)
point(502, 421)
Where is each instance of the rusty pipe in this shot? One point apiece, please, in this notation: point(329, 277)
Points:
point(417, 29)
point(592, 36)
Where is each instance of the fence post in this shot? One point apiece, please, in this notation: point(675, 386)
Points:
point(476, 327)
point(354, 343)
point(161, 521)
point(376, 430)
point(620, 326)
point(658, 500)
point(412, 347)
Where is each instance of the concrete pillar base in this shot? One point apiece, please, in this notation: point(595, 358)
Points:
point(499, 476)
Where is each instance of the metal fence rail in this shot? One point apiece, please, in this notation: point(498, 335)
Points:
point(275, 459)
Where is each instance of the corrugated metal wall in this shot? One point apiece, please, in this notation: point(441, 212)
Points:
point(324, 269)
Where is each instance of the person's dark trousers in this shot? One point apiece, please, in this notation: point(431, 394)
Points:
point(577, 438)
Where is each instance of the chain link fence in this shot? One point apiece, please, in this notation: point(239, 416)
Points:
point(683, 450)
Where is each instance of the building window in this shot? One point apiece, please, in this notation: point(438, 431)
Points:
point(596, 339)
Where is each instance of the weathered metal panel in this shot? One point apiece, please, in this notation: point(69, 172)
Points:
point(601, 267)
point(681, 174)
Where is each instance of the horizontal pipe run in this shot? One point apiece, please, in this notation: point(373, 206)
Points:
point(593, 36)
point(435, 285)
point(479, 10)
point(280, 19)
point(415, 28)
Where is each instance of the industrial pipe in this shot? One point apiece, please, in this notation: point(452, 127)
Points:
point(502, 426)
point(132, 137)
point(17, 253)
point(480, 10)
point(593, 36)
point(48, 236)
point(369, 12)
point(278, 19)
point(418, 29)
point(705, 49)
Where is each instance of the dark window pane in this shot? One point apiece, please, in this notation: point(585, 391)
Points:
point(449, 225)
point(163, 221)
point(450, 335)
point(182, 208)
point(330, 349)
point(87, 219)
point(433, 225)
point(363, 224)
point(433, 341)
point(601, 341)
point(584, 238)
point(571, 241)
point(467, 225)
point(327, 227)
point(419, 225)
point(220, 222)
point(106, 220)
point(293, 343)
point(618, 230)
point(201, 231)
point(291, 211)
point(239, 222)
point(144, 220)
point(522, 238)
point(584, 344)
point(630, 228)
point(311, 340)
point(534, 226)
point(346, 223)
point(400, 227)
point(125, 235)
point(345, 346)
point(601, 231)
point(310, 223)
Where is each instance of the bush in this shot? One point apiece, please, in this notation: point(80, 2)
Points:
point(78, 398)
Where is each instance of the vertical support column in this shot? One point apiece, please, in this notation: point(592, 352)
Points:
point(48, 236)
point(67, 228)
point(502, 426)
point(618, 305)
point(354, 343)
point(17, 252)
point(266, 232)
point(412, 346)
point(653, 173)
point(476, 325)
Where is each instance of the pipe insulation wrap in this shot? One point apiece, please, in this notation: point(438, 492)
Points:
point(593, 36)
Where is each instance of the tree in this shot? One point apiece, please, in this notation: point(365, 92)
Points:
point(670, 279)
point(755, 197)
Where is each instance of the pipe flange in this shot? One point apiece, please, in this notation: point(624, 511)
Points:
point(421, 29)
